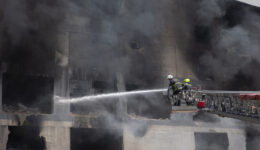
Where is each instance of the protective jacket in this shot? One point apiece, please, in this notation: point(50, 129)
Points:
point(187, 86)
point(177, 87)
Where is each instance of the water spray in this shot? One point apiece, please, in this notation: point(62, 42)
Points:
point(107, 95)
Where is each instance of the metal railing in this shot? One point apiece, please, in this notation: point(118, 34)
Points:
point(238, 103)
point(244, 103)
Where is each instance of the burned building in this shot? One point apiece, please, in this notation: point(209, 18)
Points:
point(65, 49)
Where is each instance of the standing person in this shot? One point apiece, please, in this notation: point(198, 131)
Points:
point(186, 85)
point(175, 87)
point(170, 88)
point(187, 93)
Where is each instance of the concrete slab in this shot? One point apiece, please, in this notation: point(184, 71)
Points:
point(177, 138)
point(179, 133)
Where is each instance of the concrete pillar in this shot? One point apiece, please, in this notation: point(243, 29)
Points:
point(2, 70)
point(61, 85)
point(62, 53)
point(1, 89)
point(61, 89)
point(121, 106)
point(57, 138)
point(236, 141)
point(4, 132)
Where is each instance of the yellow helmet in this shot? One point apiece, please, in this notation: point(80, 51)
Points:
point(186, 80)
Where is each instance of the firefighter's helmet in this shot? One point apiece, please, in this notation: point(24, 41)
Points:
point(186, 80)
point(170, 77)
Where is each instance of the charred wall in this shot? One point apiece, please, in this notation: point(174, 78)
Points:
point(25, 138)
point(29, 33)
point(29, 41)
point(27, 93)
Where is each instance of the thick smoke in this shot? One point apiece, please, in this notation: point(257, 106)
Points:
point(117, 37)
point(225, 34)
point(209, 10)
point(114, 37)
point(124, 36)
point(104, 38)
point(28, 35)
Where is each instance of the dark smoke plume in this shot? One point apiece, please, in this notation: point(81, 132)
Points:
point(226, 41)
point(117, 37)
point(104, 38)
point(29, 32)
point(120, 36)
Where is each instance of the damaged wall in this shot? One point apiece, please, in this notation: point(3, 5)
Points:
point(183, 138)
point(25, 138)
point(32, 45)
point(142, 40)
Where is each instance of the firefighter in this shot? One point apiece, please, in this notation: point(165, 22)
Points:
point(186, 85)
point(175, 87)
point(174, 84)
point(170, 88)
point(187, 93)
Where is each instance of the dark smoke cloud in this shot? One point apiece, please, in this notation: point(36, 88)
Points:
point(226, 34)
point(28, 34)
point(117, 37)
point(113, 37)
point(209, 10)
point(124, 36)
point(104, 38)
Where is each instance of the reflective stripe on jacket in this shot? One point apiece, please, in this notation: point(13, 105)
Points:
point(177, 86)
